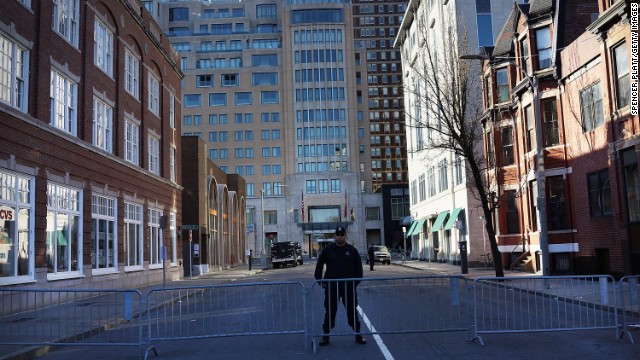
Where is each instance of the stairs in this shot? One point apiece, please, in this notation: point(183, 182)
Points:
point(524, 263)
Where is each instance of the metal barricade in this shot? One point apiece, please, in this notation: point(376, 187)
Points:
point(71, 317)
point(382, 305)
point(197, 312)
point(539, 303)
point(630, 301)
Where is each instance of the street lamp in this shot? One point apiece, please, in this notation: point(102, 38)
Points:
point(263, 260)
point(540, 177)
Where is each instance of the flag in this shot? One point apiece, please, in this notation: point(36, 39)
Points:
point(302, 207)
point(345, 206)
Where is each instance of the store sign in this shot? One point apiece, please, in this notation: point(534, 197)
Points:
point(7, 213)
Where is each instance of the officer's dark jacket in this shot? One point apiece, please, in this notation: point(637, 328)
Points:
point(342, 262)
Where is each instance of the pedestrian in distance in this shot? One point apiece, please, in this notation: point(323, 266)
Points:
point(342, 261)
point(372, 258)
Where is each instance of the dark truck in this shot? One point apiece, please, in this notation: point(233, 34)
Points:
point(286, 253)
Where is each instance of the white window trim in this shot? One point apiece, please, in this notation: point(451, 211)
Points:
point(131, 73)
point(154, 94)
point(102, 125)
point(114, 249)
point(70, 102)
point(71, 273)
point(135, 152)
point(103, 47)
point(154, 154)
point(140, 248)
point(71, 29)
point(16, 48)
point(155, 245)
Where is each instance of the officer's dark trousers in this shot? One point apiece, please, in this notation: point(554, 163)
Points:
point(346, 291)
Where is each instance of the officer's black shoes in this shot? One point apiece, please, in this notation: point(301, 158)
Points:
point(324, 341)
point(359, 339)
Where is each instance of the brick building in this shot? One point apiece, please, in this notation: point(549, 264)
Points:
point(556, 76)
point(89, 146)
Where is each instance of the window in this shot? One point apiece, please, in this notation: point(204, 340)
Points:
point(14, 68)
point(229, 80)
point(631, 182)
point(66, 14)
point(16, 231)
point(154, 95)
point(173, 237)
point(103, 47)
point(133, 249)
point(179, 14)
point(599, 193)
point(502, 82)
point(507, 146)
point(266, 11)
point(155, 238)
point(102, 125)
point(623, 88)
point(218, 99)
point(265, 79)
point(154, 155)
point(103, 232)
point(372, 213)
point(204, 80)
point(63, 111)
point(323, 186)
point(550, 120)
point(591, 107)
point(172, 110)
point(524, 48)
point(513, 222)
point(431, 181)
point(269, 97)
point(131, 73)
point(335, 185)
point(543, 45)
point(131, 142)
point(264, 60)
point(558, 217)
point(243, 98)
point(192, 100)
point(485, 32)
point(172, 164)
point(442, 175)
point(459, 170)
point(311, 186)
point(531, 124)
point(64, 229)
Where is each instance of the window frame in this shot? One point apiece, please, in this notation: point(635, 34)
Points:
point(103, 47)
point(67, 121)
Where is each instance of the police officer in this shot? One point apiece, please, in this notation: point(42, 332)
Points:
point(343, 262)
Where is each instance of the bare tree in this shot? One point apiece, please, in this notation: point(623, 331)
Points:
point(444, 97)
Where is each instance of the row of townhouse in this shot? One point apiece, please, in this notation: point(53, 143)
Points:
point(561, 137)
point(91, 162)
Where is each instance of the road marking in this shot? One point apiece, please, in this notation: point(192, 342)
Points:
point(376, 337)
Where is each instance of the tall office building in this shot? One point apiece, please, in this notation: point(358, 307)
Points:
point(376, 24)
point(277, 91)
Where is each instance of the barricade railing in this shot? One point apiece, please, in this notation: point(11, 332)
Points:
point(197, 312)
point(629, 294)
point(539, 303)
point(443, 305)
point(71, 317)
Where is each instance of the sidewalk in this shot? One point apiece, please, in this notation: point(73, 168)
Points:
point(437, 268)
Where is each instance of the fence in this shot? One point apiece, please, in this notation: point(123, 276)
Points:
point(534, 304)
point(198, 312)
point(445, 304)
point(71, 317)
point(382, 305)
point(629, 287)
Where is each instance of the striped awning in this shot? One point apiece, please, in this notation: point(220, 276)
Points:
point(452, 218)
point(418, 227)
point(439, 221)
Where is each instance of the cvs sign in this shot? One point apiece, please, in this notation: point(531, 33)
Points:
point(6, 213)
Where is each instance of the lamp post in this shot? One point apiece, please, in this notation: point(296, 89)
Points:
point(540, 177)
point(263, 260)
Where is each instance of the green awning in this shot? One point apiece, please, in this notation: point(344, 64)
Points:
point(418, 228)
point(413, 225)
point(439, 220)
point(452, 218)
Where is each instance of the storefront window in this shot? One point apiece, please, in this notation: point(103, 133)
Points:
point(16, 199)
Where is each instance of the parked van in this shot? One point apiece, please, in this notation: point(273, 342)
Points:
point(286, 253)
